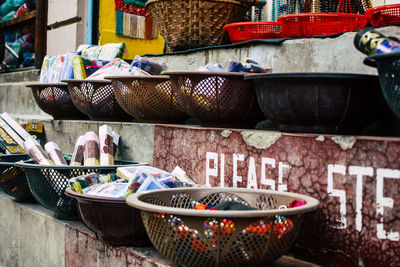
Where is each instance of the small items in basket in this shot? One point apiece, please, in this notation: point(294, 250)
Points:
point(77, 155)
point(91, 149)
point(54, 151)
point(148, 66)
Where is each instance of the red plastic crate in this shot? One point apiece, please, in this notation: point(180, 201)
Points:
point(384, 15)
point(245, 31)
point(318, 24)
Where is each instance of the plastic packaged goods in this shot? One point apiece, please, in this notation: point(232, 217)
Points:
point(135, 71)
point(150, 183)
point(37, 153)
point(180, 174)
point(91, 149)
point(249, 66)
point(51, 69)
point(78, 68)
point(16, 127)
point(369, 41)
point(116, 137)
point(113, 68)
point(36, 130)
point(68, 70)
point(10, 141)
point(106, 145)
point(148, 66)
point(54, 151)
point(77, 155)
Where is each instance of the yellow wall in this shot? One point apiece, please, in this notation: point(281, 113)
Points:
point(107, 24)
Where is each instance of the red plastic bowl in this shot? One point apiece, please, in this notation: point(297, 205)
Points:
point(245, 31)
point(384, 15)
point(319, 24)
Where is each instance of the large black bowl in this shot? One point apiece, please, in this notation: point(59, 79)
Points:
point(333, 103)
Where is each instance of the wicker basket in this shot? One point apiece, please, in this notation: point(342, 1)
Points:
point(193, 237)
point(187, 24)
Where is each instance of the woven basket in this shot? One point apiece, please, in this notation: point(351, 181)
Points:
point(187, 24)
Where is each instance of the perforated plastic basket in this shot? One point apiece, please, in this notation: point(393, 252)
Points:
point(48, 184)
point(319, 24)
point(97, 100)
point(218, 99)
point(55, 100)
point(148, 98)
point(384, 15)
point(12, 179)
point(111, 219)
point(221, 238)
point(245, 31)
point(389, 77)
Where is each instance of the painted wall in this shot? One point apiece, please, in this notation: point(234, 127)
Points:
point(107, 24)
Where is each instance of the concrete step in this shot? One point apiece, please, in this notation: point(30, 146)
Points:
point(32, 237)
point(24, 75)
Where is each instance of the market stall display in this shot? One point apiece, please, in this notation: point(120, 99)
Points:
point(96, 99)
point(48, 184)
point(221, 226)
point(245, 31)
point(195, 23)
point(220, 99)
point(12, 179)
point(112, 220)
point(384, 15)
point(54, 99)
point(148, 98)
point(334, 103)
point(318, 24)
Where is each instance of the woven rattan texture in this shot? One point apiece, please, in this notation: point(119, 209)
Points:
point(216, 100)
point(56, 101)
point(208, 241)
point(186, 24)
point(97, 100)
point(148, 100)
point(13, 180)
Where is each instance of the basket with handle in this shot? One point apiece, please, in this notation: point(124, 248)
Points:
point(193, 237)
point(187, 24)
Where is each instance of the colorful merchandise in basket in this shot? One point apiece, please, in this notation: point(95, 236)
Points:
point(148, 66)
point(249, 66)
point(129, 180)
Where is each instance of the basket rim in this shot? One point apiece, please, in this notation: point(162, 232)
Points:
point(370, 11)
point(223, 1)
point(11, 163)
point(205, 73)
point(46, 84)
point(250, 23)
point(135, 77)
point(27, 165)
point(83, 197)
point(87, 81)
point(134, 201)
point(371, 60)
point(331, 14)
point(327, 75)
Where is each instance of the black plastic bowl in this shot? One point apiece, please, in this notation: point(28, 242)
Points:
point(13, 180)
point(48, 184)
point(332, 103)
point(112, 220)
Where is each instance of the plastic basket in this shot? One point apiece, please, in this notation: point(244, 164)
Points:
point(148, 98)
point(187, 24)
point(48, 184)
point(55, 100)
point(221, 238)
point(217, 99)
point(96, 99)
point(112, 220)
point(384, 15)
point(324, 103)
point(389, 76)
point(319, 24)
point(245, 31)
point(12, 179)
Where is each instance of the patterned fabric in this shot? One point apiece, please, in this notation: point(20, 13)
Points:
point(134, 20)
